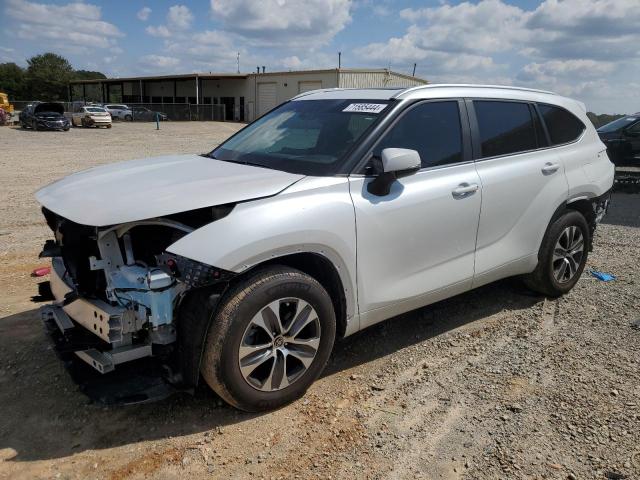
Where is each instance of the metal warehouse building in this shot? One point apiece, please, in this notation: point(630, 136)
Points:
point(231, 97)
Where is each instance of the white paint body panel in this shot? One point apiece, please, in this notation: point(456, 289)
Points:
point(314, 215)
point(415, 241)
point(152, 187)
point(518, 201)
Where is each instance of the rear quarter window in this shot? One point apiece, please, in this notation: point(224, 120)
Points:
point(562, 125)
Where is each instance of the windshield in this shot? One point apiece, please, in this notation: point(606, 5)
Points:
point(618, 124)
point(308, 137)
point(95, 109)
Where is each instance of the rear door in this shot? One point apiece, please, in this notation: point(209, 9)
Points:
point(416, 244)
point(523, 182)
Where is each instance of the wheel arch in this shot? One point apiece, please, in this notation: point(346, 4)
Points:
point(321, 269)
point(202, 304)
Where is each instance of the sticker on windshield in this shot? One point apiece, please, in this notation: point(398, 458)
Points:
point(365, 107)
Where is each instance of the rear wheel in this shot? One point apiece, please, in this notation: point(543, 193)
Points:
point(562, 256)
point(270, 340)
point(128, 118)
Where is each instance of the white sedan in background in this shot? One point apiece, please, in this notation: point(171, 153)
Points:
point(91, 116)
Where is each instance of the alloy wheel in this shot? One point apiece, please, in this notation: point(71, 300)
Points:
point(567, 254)
point(279, 344)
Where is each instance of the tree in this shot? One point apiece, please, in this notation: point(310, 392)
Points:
point(12, 80)
point(48, 76)
point(602, 119)
point(87, 75)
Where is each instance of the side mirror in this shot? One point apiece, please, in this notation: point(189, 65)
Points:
point(400, 160)
point(393, 164)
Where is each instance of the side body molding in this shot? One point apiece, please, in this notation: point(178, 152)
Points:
point(314, 215)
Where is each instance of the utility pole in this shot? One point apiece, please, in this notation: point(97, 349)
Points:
point(339, 60)
point(414, 70)
point(238, 60)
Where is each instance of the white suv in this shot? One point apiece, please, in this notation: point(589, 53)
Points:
point(336, 210)
point(119, 111)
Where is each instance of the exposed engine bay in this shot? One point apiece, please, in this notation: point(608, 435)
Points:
point(120, 284)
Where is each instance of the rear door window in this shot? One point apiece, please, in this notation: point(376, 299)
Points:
point(433, 129)
point(563, 126)
point(505, 127)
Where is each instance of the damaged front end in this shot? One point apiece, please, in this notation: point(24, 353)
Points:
point(118, 291)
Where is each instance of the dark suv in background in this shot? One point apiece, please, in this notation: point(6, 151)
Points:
point(622, 138)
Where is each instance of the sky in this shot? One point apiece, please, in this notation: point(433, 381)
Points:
point(585, 49)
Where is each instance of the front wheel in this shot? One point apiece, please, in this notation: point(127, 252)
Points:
point(128, 118)
point(270, 340)
point(562, 256)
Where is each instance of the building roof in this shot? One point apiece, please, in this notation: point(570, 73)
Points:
point(215, 75)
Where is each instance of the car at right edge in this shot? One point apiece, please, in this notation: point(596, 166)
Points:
point(622, 138)
point(336, 210)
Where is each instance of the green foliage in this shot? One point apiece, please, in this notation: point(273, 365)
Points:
point(603, 119)
point(87, 75)
point(48, 76)
point(11, 80)
point(45, 78)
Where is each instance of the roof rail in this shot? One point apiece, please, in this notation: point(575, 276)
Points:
point(469, 85)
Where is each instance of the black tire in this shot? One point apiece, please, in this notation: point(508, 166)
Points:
point(108, 126)
point(66, 129)
point(23, 125)
point(220, 361)
point(542, 279)
point(128, 118)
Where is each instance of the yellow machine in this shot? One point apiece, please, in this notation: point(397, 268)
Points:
point(4, 103)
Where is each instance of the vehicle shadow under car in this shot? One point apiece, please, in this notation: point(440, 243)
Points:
point(45, 416)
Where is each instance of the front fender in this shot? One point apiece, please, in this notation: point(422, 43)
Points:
point(314, 215)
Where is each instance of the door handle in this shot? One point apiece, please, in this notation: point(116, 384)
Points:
point(464, 190)
point(550, 168)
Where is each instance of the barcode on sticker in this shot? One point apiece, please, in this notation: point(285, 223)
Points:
point(365, 107)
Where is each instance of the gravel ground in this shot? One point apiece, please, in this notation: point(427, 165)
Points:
point(493, 384)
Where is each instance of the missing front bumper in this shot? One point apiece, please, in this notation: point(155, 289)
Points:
point(110, 324)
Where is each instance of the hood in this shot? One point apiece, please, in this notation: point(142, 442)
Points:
point(49, 107)
point(154, 187)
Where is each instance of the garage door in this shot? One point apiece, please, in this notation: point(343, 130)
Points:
point(308, 86)
point(266, 97)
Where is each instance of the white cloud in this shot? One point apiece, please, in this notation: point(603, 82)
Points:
point(575, 47)
point(159, 31)
point(73, 27)
point(280, 22)
point(143, 14)
point(179, 17)
point(159, 61)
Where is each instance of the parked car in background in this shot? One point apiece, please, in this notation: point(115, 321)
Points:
point(622, 138)
point(44, 116)
point(143, 114)
point(335, 211)
point(119, 111)
point(90, 116)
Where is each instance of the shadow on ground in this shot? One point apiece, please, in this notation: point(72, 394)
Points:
point(44, 416)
